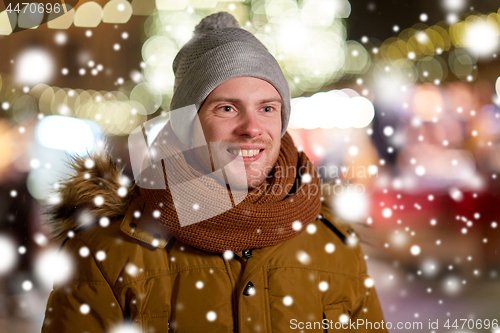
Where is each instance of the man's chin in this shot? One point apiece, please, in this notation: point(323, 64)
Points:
point(235, 182)
point(254, 183)
point(244, 184)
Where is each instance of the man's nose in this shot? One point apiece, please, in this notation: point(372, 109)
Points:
point(249, 125)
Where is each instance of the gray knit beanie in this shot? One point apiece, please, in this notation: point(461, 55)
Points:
point(219, 51)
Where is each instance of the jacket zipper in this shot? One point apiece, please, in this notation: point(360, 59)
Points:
point(235, 310)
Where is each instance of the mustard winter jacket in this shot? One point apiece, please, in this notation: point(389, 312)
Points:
point(132, 274)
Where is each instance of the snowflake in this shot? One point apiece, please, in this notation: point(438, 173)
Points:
point(228, 255)
point(303, 257)
point(85, 309)
point(98, 200)
point(131, 269)
point(27, 285)
point(211, 315)
point(415, 250)
point(84, 251)
point(387, 212)
point(89, 163)
point(344, 318)
point(297, 225)
point(311, 229)
point(104, 222)
point(329, 248)
point(287, 300)
point(306, 178)
point(100, 255)
point(420, 170)
point(122, 192)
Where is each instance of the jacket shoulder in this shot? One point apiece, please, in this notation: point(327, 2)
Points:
point(341, 229)
point(127, 244)
point(327, 245)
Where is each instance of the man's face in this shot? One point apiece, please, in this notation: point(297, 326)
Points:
point(245, 112)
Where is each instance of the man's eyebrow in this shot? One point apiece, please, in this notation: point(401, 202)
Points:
point(271, 100)
point(236, 101)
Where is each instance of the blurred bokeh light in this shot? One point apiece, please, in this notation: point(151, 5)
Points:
point(396, 103)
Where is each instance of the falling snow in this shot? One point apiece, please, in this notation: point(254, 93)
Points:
point(287, 300)
point(430, 161)
point(211, 316)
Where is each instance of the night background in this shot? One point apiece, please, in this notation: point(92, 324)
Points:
point(396, 102)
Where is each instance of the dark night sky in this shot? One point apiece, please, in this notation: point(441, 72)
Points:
point(375, 18)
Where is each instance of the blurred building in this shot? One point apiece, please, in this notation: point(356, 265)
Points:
point(396, 103)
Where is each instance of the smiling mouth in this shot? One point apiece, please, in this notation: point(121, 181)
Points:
point(245, 152)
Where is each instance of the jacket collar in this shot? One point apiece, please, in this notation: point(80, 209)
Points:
point(140, 224)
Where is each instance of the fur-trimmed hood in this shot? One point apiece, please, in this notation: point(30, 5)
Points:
point(98, 189)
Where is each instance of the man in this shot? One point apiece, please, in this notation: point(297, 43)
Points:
point(206, 258)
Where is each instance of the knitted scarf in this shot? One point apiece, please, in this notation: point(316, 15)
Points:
point(276, 211)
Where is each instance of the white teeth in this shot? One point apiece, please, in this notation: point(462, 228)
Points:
point(245, 152)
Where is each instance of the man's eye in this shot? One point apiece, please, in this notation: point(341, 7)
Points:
point(268, 108)
point(226, 108)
